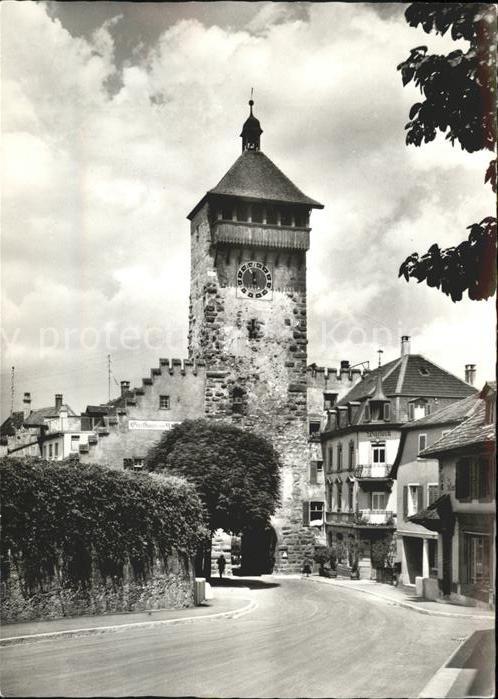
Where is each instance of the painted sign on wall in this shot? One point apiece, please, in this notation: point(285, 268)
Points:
point(160, 425)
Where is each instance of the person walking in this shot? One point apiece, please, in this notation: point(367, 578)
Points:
point(221, 563)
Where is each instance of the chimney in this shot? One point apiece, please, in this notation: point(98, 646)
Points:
point(344, 367)
point(26, 405)
point(405, 345)
point(58, 401)
point(470, 374)
point(125, 387)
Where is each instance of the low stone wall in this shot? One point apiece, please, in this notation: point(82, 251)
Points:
point(169, 586)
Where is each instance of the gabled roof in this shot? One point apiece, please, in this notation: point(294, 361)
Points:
point(38, 417)
point(472, 432)
point(455, 412)
point(12, 424)
point(411, 375)
point(254, 176)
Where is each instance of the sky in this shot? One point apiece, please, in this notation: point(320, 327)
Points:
point(118, 117)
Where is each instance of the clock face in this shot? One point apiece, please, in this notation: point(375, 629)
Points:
point(254, 280)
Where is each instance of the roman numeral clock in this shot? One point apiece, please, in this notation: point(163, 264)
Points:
point(254, 280)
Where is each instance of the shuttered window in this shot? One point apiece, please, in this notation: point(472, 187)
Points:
point(462, 485)
point(127, 463)
point(422, 442)
point(306, 514)
point(432, 493)
point(387, 411)
point(405, 501)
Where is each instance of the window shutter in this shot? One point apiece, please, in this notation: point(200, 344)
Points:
point(420, 498)
point(405, 501)
point(484, 484)
point(306, 513)
point(462, 485)
point(313, 472)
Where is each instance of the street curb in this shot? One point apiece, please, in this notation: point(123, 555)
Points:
point(405, 605)
point(94, 630)
point(444, 679)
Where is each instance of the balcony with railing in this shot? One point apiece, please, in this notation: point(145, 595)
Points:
point(374, 518)
point(372, 471)
point(340, 517)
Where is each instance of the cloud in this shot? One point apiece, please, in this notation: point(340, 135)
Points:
point(113, 134)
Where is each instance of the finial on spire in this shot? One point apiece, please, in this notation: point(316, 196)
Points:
point(251, 131)
point(380, 353)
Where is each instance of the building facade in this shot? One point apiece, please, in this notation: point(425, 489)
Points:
point(417, 481)
point(360, 445)
point(464, 515)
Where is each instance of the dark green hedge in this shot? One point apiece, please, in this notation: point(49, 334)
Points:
point(60, 518)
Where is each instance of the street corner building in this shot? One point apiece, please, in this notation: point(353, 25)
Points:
point(247, 345)
point(463, 517)
point(362, 441)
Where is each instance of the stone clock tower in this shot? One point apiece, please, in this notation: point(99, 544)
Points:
point(248, 323)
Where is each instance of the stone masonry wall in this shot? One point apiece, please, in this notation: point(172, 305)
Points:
point(184, 383)
point(168, 587)
point(256, 350)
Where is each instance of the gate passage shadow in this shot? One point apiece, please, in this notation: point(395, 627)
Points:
point(251, 583)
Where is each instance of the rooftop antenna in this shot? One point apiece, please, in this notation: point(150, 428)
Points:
point(109, 377)
point(12, 389)
point(380, 353)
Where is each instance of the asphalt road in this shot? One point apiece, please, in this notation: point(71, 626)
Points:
point(302, 640)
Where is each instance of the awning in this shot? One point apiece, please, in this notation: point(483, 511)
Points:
point(438, 517)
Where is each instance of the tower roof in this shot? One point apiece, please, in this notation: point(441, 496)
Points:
point(254, 176)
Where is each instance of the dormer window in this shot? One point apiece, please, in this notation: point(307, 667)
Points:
point(424, 371)
point(417, 408)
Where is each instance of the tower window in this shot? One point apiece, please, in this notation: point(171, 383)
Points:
point(164, 403)
point(242, 212)
point(286, 219)
point(257, 213)
point(238, 399)
point(226, 213)
point(271, 215)
point(252, 329)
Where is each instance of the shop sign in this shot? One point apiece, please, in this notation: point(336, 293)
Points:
point(159, 425)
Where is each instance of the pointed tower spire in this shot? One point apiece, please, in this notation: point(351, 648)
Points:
point(251, 131)
point(379, 394)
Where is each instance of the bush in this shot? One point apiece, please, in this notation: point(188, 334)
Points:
point(324, 555)
point(63, 518)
